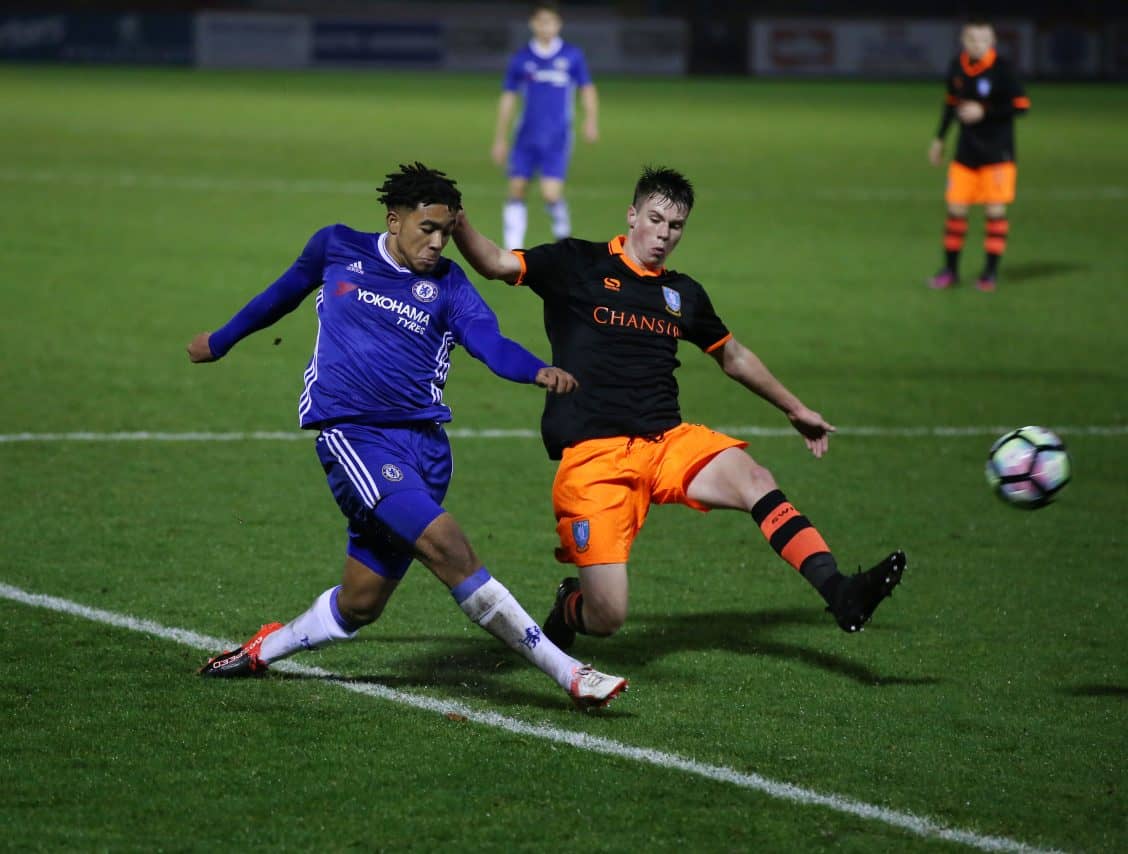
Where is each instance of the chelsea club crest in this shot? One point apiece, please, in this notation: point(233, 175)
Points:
point(673, 301)
point(425, 291)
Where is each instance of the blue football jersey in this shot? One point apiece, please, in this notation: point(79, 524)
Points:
point(384, 333)
point(547, 81)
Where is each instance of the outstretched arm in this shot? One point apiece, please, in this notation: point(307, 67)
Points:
point(485, 256)
point(278, 300)
point(744, 366)
point(509, 360)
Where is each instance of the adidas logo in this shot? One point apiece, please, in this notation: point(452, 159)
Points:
point(355, 267)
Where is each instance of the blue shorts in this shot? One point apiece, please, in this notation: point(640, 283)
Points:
point(390, 483)
point(550, 159)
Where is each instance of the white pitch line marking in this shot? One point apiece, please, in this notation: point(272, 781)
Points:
point(919, 825)
point(520, 433)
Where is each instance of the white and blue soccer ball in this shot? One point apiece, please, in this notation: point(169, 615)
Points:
point(1027, 467)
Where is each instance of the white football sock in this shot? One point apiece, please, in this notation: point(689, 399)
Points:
point(515, 219)
point(315, 628)
point(561, 219)
point(493, 608)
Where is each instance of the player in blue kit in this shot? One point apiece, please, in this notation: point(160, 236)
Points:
point(546, 73)
point(390, 310)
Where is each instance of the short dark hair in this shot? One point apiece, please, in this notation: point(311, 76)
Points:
point(416, 184)
point(661, 181)
point(554, 8)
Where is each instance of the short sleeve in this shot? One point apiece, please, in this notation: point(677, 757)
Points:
point(514, 74)
point(548, 267)
point(580, 72)
point(708, 331)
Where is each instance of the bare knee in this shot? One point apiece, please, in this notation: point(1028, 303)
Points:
point(444, 550)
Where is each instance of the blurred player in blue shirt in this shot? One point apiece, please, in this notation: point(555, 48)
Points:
point(390, 310)
point(546, 73)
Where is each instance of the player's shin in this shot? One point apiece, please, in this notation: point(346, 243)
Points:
point(515, 220)
point(487, 602)
point(561, 218)
point(322, 624)
point(797, 541)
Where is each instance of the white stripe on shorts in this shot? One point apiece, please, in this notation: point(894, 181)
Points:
point(354, 467)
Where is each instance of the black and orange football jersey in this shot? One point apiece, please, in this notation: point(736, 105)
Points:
point(992, 82)
point(615, 326)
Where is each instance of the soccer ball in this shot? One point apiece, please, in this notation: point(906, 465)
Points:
point(1028, 467)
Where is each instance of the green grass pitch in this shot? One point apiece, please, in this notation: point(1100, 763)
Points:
point(139, 207)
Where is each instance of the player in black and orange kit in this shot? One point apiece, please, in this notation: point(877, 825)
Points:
point(984, 95)
point(615, 315)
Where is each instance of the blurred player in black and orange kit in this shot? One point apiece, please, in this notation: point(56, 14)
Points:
point(615, 316)
point(985, 95)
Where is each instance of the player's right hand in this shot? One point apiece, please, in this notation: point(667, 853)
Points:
point(199, 350)
point(556, 380)
point(936, 152)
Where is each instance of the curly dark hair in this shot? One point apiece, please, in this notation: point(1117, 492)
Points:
point(661, 181)
point(416, 184)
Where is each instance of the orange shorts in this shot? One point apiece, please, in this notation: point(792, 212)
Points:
point(987, 185)
point(604, 488)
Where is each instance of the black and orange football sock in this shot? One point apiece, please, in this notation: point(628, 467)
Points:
point(995, 242)
point(955, 232)
point(797, 541)
point(574, 611)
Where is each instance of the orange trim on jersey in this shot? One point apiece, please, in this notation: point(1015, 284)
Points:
point(719, 344)
point(979, 66)
point(615, 247)
point(520, 260)
point(1021, 103)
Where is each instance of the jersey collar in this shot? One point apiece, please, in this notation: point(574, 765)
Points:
point(615, 247)
point(546, 52)
point(972, 68)
point(382, 245)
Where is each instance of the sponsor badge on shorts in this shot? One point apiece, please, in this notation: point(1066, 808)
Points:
point(581, 533)
point(425, 291)
point(391, 472)
point(673, 301)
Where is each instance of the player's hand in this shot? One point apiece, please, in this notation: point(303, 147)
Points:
point(591, 131)
point(556, 380)
point(813, 428)
point(199, 350)
point(936, 152)
point(970, 112)
point(498, 151)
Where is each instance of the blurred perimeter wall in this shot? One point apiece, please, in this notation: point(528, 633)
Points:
point(479, 37)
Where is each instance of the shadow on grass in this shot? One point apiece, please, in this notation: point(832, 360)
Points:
point(1095, 690)
point(1029, 271)
point(466, 670)
point(470, 667)
point(748, 634)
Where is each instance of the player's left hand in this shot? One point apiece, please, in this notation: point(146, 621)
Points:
point(591, 131)
point(813, 428)
point(556, 380)
point(970, 112)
